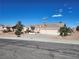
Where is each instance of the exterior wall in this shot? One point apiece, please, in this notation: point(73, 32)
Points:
point(1, 29)
point(49, 32)
point(37, 30)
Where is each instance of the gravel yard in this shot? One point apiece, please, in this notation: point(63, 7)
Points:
point(41, 37)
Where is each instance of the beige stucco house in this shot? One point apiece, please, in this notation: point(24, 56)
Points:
point(50, 29)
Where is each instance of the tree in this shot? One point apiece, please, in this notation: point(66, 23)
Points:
point(18, 33)
point(8, 29)
point(60, 22)
point(32, 28)
point(19, 28)
point(27, 31)
point(70, 30)
point(64, 31)
point(77, 28)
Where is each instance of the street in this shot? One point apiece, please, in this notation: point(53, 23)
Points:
point(20, 49)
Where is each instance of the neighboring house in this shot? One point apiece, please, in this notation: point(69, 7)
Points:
point(5, 28)
point(50, 29)
point(1, 29)
point(24, 29)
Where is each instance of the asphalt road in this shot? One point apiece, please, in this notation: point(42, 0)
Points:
point(20, 49)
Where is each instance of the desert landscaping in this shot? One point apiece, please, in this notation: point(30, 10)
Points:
point(44, 32)
point(39, 29)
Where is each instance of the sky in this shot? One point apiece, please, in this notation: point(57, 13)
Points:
point(39, 11)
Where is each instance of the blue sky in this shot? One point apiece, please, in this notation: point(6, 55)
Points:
point(37, 11)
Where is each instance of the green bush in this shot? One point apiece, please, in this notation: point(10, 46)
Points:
point(4, 31)
point(32, 28)
point(64, 31)
point(19, 28)
point(27, 31)
point(18, 33)
point(77, 28)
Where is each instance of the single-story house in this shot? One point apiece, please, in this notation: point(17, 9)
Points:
point(50, 29)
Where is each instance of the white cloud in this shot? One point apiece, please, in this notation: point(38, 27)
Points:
point(57, 15)
point(70, 11)
point(45, 18)
point(60, 10)
point(69, 8)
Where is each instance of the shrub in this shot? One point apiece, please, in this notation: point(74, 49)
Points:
point(19, 28)
point(4, 31)
point(18, 33)
point(64, 31)
point(32, 28)
point(77, 28)
point(8, 29)
point(27, 31)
